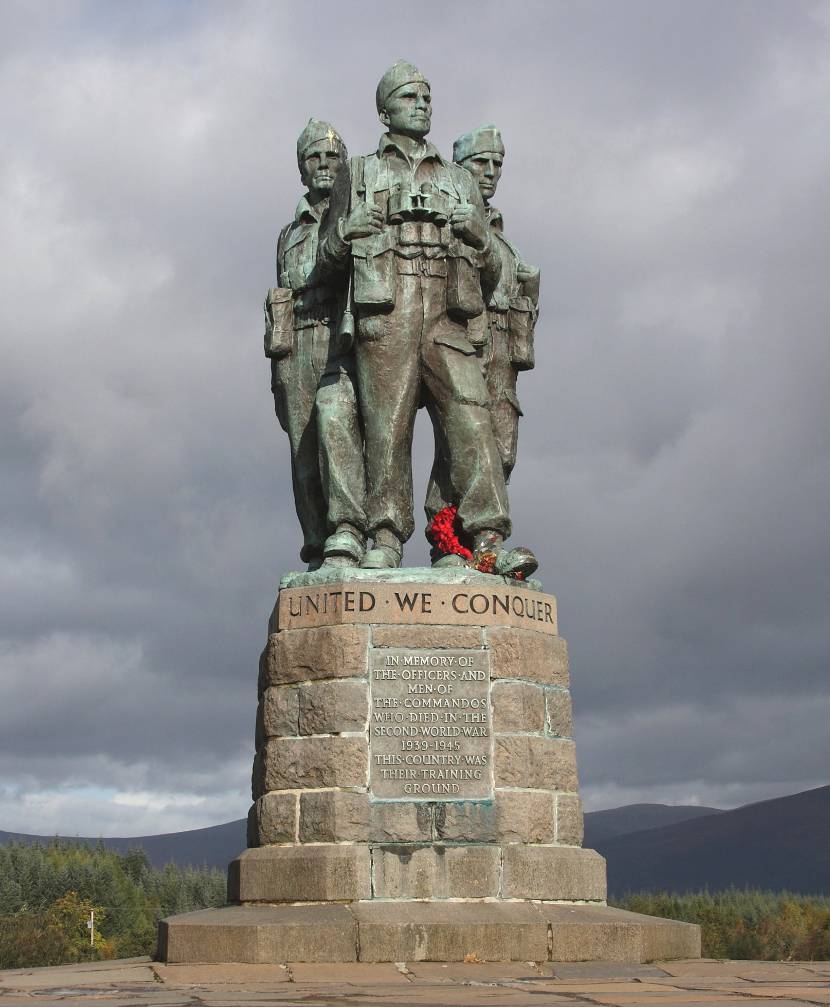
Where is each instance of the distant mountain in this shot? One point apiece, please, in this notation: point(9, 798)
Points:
point(212, 847)
point(600, 826)
point(779, 844)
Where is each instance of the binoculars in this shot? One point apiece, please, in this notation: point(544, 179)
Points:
point(425, 204)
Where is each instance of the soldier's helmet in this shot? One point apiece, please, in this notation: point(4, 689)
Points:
point(401, 72)
point(316, 130)
point(484, 140)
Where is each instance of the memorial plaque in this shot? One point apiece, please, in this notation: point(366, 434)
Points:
point(430, 731)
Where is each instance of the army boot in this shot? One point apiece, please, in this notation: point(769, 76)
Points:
point(489, 552)
point(386, 552)
point(345, 547)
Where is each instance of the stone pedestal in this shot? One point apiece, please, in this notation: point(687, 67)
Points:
point(415, 786)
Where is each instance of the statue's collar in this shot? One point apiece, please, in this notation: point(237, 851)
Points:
point(307, 213)
point(390, 142)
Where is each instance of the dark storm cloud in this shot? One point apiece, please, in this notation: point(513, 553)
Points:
point(667, 167)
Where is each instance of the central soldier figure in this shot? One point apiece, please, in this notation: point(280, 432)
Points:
point(412, 226)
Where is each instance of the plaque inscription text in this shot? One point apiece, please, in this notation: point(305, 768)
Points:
point(430, 731)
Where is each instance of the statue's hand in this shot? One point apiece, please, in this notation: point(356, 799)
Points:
point(468, 225)
point(365, 220)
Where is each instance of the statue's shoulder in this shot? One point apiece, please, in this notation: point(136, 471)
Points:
point(360, 165)
point(462, 178)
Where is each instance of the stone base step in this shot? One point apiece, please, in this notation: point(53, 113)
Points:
point(398, 931)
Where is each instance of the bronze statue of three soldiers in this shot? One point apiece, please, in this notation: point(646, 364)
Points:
point(398, 289)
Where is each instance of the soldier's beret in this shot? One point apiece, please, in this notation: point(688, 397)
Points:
point(316, 130)
point(396, 76)
point(484, 140)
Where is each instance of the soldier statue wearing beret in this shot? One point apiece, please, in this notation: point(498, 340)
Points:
point(505, 333)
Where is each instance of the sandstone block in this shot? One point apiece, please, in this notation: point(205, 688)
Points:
point(446, 932)
point(258, 776)
point(517, 706)
point(273, 819)
point(330, 816)
point(439, 872)
point(533, 657)
point(280, 711)
point(559, 715)
point(666, 939)
point(302, 655)
point(600, 933)
point(402, 821)
point(261, 935)
point(553, 873)
point(439, 637)
point(292, 764)
point(333, 707)
point(515, 816)
point(525, 816)
point(535, 763)
point(570, 827)
point(468, 821)
point(326, 873)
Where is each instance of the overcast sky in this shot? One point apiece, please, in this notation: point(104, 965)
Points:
point(668, 167)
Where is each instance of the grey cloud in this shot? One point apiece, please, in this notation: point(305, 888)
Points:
point(666, 171)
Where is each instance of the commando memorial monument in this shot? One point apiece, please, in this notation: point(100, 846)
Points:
point(415, 790)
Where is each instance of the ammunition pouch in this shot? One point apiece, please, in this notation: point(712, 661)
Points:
point(373, 285)
point(464, 298)
point(521, 321)
point(279, 322)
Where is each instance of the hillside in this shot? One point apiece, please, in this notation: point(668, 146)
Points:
point(600, 826)
point(774, 845)
point(212, 847)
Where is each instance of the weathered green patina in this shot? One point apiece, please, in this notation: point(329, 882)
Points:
point(505, 331)
point(403, 290)
point(312, 369)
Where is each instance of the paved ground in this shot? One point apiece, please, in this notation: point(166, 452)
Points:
point(139, 981)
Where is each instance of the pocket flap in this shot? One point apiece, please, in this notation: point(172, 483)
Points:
point(459, 343)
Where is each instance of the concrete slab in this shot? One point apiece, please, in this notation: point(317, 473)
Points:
point(470, 972)
point(451, 984)
point(218, 975)
point(348, 973)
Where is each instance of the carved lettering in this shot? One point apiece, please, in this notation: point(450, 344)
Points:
point(430, 735)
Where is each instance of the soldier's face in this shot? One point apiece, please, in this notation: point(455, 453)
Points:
point(321, 162)
point(486, 170)
point(409, 110)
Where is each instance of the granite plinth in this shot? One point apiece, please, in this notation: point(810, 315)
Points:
point(423, 931)
point(415, 787)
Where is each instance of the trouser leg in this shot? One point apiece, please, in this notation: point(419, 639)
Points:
point(295, 385)
point(505, 421)
point(387, 374)
point(504, 405)
point(439, 491)
point(458, 399)
point(341, 452)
